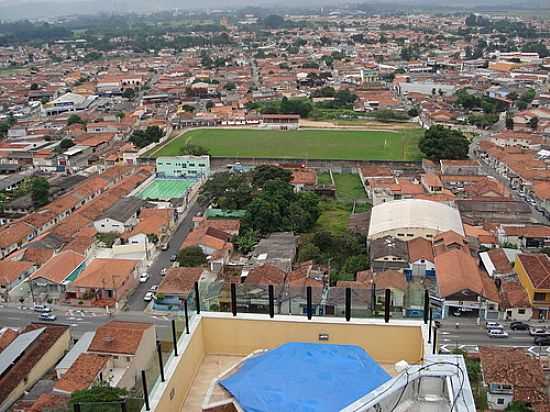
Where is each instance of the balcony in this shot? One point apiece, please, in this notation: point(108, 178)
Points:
point(219, 343)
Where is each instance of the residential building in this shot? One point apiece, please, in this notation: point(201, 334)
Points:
point(121, 217)
point(533, 271)
point(176, 287)
point(12, 273)
point(54, 276)
point(183, 167)
point(388, 253)
point(104, 282)
point(511, 374)
point(28, 358)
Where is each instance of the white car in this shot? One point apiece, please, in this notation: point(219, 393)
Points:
point(497, 333)
point(149, 296)
point(41, 309)
point(493, 325)
point(163, 271)
point(538, 331)
point(154, 288)
point(144, 277)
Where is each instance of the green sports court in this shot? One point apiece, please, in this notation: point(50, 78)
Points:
point(166, 189)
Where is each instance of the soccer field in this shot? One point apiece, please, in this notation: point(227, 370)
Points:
point(302, 144)
point(165, 189)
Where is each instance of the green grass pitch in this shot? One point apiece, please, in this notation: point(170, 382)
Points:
point(301, 144)
point(165, 189)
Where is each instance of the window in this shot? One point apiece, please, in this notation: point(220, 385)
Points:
point(539, 296)
point(422, 261)
point(521, 311)
point(500, 401)
point(429, 235)
point(401, 234)
point(202, 165)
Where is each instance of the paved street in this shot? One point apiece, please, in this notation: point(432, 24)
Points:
point(469, 335)
point(80, 320)
point(136, 302)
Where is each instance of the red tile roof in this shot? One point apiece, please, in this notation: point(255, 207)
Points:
point(118, 337)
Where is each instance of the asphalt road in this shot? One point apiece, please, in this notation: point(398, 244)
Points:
point(135, 301)
point(469, 336)
point(80, 320)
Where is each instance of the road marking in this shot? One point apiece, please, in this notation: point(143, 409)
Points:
point(10, 318)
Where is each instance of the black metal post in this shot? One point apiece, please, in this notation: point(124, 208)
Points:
point(161, 363)
point(387, 298)
point(124, 406)
point(430, 328)
point(373, 297)
point(186, 316)
point(145, 391)
point(174, 337)
point(271, 301)
point(234, 299)
point(197, 298)
point(308, 308)
point(426, 305)
point(348, 304)
point(76, 407)
point(434, 341)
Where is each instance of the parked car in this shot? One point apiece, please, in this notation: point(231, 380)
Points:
point(497, 333)
point(493, 325)
point(538, 331)
point(42, 309)
point(163, 271)
point(154, 288)
point(144, 277)
point(49, 317)
point(149, 296)
point(519, 326)
point(542, 340)
point(165, 246)
point(173, 258)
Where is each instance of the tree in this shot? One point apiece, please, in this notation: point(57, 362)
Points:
point(100, 392)
point(356, 264)
point(65, 144)
point(518, 406)
point(265, 173)
point(40, 189)
point(129, 93)
point(246, 241)
point(227, 191)
point(34, 86)
point(142, 138)
point(191, 256)
point(194, 150)
point(74, 119)
point(309, 251)
point(442, 143)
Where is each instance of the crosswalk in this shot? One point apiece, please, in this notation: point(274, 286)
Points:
point(534, 350)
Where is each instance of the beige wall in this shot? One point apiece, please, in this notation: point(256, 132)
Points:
point(47, 362)
point(181, 372)
point(212, 334)
point(386, 344)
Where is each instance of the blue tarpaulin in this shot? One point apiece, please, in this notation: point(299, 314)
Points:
point(305, 377)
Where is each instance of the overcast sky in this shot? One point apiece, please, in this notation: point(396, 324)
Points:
point(19, 9)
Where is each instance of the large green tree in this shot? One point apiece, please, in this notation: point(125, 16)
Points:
point(442, 143)
point(191, 256)
point(40, 189)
